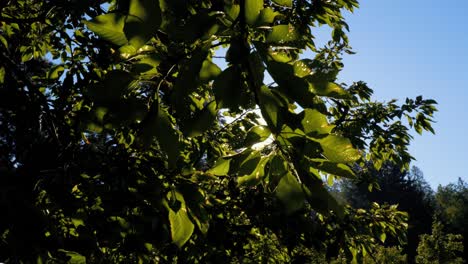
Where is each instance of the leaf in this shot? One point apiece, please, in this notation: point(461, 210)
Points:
point(147, 64)
point(290, 193)
point(287, 3)
point(227, 88)
point(109, 27)
point(202, 121)
point(2, 75)
point(277, 169)
point(339, 149)
point(282, 34)
point(336, 169)
point(4, 41)
point(179, 221)
point(143, 20)
point(319, 85)
point(232, 11)
point(267, 16)
point(220, 168)
point(313, 122)
point(167, 136)
point(383, 237)
point(158, 125)
point(271, 108)
point(55, 72)
point(195, 200)
point(257, 174)
point(256, 134)
point(209, 71)
point(290, 84)
point(252, 10)
point(320, 199)
point(73, 257)
point(189, 76)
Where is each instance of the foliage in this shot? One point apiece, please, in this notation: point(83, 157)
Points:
point(452, 209)
point(390, 185)
point(114, 148)
point(440, 247)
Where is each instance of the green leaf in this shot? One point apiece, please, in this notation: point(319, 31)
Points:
point(232, 11)
point(73, 257)
point(55, 72)
point(336, 169)
point(320, 199)
point(301, 68)
point(319, 85)
point(290, 84)
point(257, 174)
point(267, 16)
point(227, 88)
point(220, 168)
point(287, 3)
point(383, 237)
point(209, 71)
point(202, 121)
point(159, 125)
point(313, 122)
point(256, 134)
point(277, 169)
point(179, 221)
point(114, 85)
point(2, 75)
point(252, 10)
point(147, 65)
point(109, 27)
point(4, 41)
point(143, 20)
point(195, 200)
point(339, 149)
point(290, 193)
point(271, 108)
point(167, 136)
point(282, 34)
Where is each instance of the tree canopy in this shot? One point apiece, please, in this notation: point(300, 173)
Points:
point(146, 130)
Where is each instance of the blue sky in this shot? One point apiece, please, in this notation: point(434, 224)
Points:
point(410, 48)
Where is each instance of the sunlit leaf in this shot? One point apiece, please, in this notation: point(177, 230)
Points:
point(109, 27)
point(257, 174)
point(252, 10)
point(282, 34)
point(220, 168)
point(256, 134)
point(143, 20)
point(339, 149)
point(287, 3)
point(209, 71)
point(180, 224)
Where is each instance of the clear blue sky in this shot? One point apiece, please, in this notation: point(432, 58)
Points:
point(410, 48)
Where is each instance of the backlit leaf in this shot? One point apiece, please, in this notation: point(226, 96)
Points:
point(339, 149)
point(109, 27)
point(179, 221)
point(257, 134)
point(290, 193)
point(143, 20)
point(287, 3)
point(252, 10)
point(282, 34)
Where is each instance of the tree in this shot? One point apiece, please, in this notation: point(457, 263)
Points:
point(391, 185)
point(440, 247)
point(452, 210)
point(113, 141)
